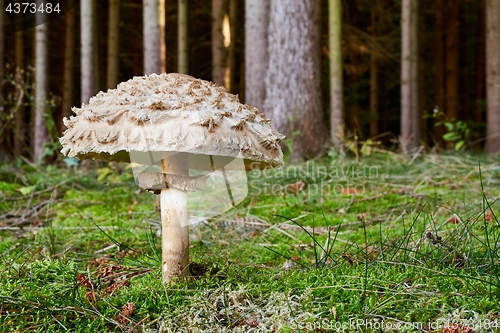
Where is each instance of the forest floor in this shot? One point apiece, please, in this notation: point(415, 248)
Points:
point(386, 243)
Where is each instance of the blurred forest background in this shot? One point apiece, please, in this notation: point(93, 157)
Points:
point(332, 74)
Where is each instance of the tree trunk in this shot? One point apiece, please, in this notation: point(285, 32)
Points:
point(163, 44)
point(138, 49)
point(410, 113)
point(422, 70)
point(182, 56)
point(19, 127)
point(41, 80)
point(374, 116)
point(492, 77)
point(30, 130)
point(354, 58)
point(464, 64)
point(336, 74)
point(2, 77)
point(231, 51)
point(113, 44)
point(69, 64)
point(451, 59)
point(416, 114)
point(88, 50)
point(384, 114)
point(293, 98)
point(480, 64)
point(154, 36)
point(219, 52)
point(2, 63)
point(19, 47)
point(438, 67)
point(256, 56)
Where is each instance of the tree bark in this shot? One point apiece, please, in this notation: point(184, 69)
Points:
point(69, 64)
point(41, 81)
point(113, 44)
point(163, 44)
point(492, 77)
point(410, 115)
point(438, 68)
point(353, 76)
point(219, 52)
point(336, 74)
point(374, 116)
point(88, 49)
point(154, 36)
point(19, 126)
point(19, 47)
point(480, 64)
point(422, 70)
point(384, 114)
point(451, 59)
point(416, 114)
point(2, 78)
point(464, 64)
point(256, 56)
point(293, 98)
point(182, 56)
point(231, 51)
point(2, 62)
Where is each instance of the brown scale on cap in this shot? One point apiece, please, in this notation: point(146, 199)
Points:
point(240, 125)
point(224, 114)
point(218, 103)
point(210, 123)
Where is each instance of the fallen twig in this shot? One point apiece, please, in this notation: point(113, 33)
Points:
point(350, 203)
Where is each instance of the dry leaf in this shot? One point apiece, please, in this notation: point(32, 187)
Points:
point(351, 190)
point(454, 219)
point(252, 322)
point(372, 251)
point(456, 328)
point(348, 258)
point(106, 271)
point(115, 286)
point(295, 187)
point(127, 311)
point(433, 239)
point(362, 216)
point(91, 297)
point(96, 262)
point(83, 281)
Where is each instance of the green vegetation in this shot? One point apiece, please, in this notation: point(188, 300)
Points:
point(330, 245)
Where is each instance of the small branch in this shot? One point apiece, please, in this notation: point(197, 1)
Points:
point(350, 203)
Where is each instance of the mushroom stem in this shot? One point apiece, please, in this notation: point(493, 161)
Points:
point(174, 221)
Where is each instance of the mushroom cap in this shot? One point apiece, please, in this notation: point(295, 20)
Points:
point(171, 113)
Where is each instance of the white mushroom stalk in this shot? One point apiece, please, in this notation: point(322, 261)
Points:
point(174, 221)
point(170, 124)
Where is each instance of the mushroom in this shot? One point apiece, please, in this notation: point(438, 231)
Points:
point(170, 124)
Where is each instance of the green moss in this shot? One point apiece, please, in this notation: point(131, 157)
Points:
point(384, 246)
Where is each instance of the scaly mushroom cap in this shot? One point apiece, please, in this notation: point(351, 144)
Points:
point(171, 113)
